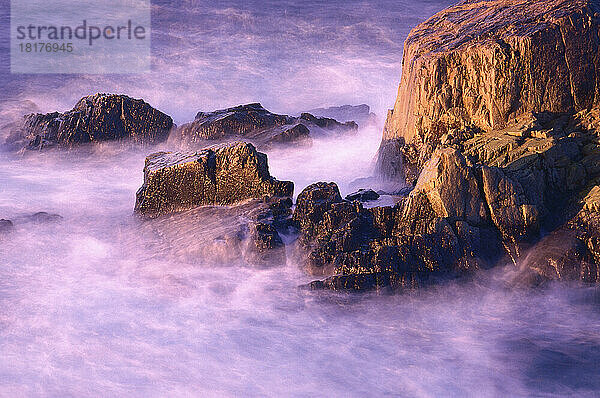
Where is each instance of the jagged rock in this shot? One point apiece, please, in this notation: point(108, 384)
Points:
point(361, 114)
point(511, 212)
point(219, 175)
point(363, 195)
point(572, 252)
point(327, 123)
point(96, 118)
point(254, 123)
point(483, 64)
point(450, 187)
point(397, 247)
point(5, 226)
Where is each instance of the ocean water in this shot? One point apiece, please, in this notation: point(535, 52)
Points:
point(93, 305)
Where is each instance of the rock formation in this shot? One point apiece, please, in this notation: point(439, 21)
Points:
point(497, 127)
point(219, 175)
point(482, 64)
point(361, 114)
point(96, 118)
point(254, 123)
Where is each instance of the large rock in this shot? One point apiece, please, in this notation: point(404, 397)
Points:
point(449, 185)
point(96, 118)
point(397, 247)
point(485, 63)
point(220, 175)
point(254, 123)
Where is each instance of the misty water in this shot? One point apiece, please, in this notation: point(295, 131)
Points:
point(92, 305)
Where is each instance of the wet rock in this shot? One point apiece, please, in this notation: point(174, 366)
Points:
point(254, 123)
point(396, 247)
point(248, 234)
point(219, 175)
point(96, 118)
point(361, 114)
point(5, 226)
point(562, 255)
point(43, 217)
point(363, 195)
point(483, 64)
point(327, 123)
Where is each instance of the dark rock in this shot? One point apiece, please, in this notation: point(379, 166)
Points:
point(96, 118)
point(298, 133)
point(327, 123)
point(220, 175)
point(363, 195)
point(442, 229)
point(5, 226)
point(43, 217)
point(361, 114)
point(254, 123)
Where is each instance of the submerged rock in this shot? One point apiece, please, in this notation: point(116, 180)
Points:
point(219, 175)
point(44, 217)
point(254, 123)
point(5, 225)
point(96, 118)
point(363, 195)
point(483, 64)
point(246, 233)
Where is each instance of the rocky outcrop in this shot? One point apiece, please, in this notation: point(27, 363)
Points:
point(361, 114)
point(254, 123)
point(96, 118)
point(429, 235)
point(219, 175)
point(480, 65)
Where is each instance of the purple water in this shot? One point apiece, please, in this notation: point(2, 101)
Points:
point(93, 306)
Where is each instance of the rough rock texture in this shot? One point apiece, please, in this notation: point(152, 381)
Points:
point(407, 245)
point(96, 118)
point(529, 193)
point(361, 114)
point(219, 175)
point(481, 64)
point(254, 123)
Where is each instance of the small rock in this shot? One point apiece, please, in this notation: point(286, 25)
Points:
point(5, 225)
point(43, 217)
point(363, 195)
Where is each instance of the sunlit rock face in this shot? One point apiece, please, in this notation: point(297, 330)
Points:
point(96, 118)
point(220, 175)
point(397, 247)
point(252, 122)
point(481, 64)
